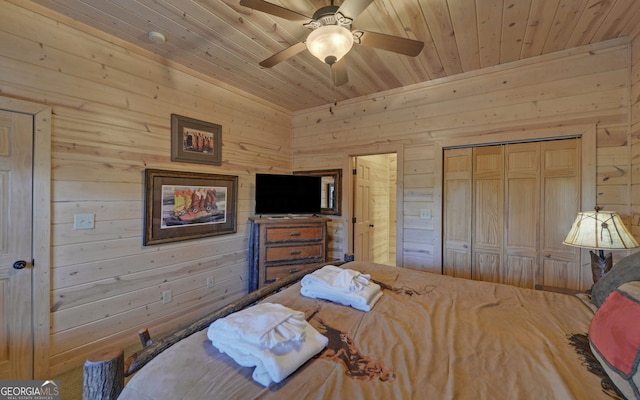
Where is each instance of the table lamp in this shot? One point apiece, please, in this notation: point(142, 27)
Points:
point(602, 230)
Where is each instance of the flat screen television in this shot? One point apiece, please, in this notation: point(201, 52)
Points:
point(288, 194)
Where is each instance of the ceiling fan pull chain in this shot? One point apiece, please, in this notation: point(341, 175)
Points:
point(332, 83)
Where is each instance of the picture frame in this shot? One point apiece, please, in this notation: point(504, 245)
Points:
point(195, 141)
point(188, 205)
point(331, 196)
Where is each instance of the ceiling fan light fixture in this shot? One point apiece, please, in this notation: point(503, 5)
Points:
point(330, 43)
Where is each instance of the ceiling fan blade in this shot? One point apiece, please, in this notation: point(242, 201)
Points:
point(396, 44)
point(339, 75)
point(283, 55)
point(270, 8)
point(353, 8)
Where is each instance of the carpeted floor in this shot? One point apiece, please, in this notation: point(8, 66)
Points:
point(70, 384)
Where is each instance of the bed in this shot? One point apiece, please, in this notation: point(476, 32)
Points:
point(429, 336)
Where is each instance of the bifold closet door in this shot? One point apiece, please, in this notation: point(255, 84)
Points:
point(457, 173)
point(507, 209)
point(560, 203)
point(522, 219)
point(488, 213)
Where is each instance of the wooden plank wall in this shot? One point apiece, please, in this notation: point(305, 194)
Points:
point(418, 189)
point(111, 110)
point(578, 87)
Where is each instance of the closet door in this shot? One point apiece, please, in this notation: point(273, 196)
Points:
point(560, 202)
point(522, 219)
point(457, 196)
point(488, 211)
point(512, 205)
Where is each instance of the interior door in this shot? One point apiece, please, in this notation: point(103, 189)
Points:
point(16, 333)
point(364, 225)
point(522, 220)
point(488, 213)
point(561, 177)
point(512, 206)
point(458, 197)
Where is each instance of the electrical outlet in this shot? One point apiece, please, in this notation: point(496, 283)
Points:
point(83, 221)
point(210, 282)
point(425, 213)
point(166, 296)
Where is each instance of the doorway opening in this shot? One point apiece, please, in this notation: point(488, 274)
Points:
point(375, 186)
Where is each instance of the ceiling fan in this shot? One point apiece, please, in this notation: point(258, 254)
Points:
point(331, 36)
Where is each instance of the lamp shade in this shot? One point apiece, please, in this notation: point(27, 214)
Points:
point(330, 43)
point(600, 230)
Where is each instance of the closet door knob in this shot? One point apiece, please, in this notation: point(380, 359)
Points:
point(19, 264)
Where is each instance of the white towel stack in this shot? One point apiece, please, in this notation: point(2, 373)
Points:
point(271, 337)
point(343, 286)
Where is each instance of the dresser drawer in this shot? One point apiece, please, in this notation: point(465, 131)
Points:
point(274, 273)
point(279, 247)
point(282, 253)
point(302, 233)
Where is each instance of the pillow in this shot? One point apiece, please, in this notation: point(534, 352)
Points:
point(625, 270)
point(614, 337)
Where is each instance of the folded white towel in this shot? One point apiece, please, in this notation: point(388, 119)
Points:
point(271, 364)
point(337, 278)
point(363, 300)
point(265, 324)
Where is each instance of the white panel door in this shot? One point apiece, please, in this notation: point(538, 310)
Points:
point(363, 209)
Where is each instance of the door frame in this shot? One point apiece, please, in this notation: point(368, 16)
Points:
point(588, 196)
point(41, 276)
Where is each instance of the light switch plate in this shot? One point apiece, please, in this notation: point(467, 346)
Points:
point(83, 221)
point(425, 213)
point(166, 296)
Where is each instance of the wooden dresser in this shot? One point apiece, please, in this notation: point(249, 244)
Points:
point(280, 246)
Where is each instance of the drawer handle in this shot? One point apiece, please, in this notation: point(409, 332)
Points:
point(294, 234)
point(295, 252)
point(293, 271)
point(270, 280)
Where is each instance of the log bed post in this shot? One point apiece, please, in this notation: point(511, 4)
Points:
point(145, 337)
point(103, 377)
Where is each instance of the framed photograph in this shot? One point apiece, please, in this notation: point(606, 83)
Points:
point(187, 205)
point(195, 141)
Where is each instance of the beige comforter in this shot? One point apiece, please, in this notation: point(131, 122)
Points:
point(429, 337)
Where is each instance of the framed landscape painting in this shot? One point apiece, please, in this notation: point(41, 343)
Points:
point(188, 205)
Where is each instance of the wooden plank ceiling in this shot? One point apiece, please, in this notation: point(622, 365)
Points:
point(226, 41)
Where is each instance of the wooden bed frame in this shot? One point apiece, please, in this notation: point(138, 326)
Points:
point(105, 370)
